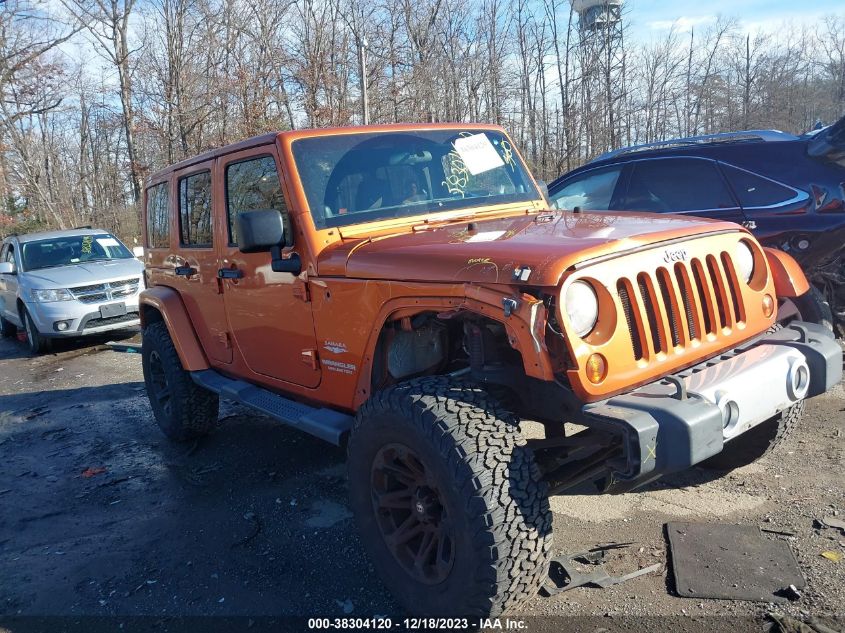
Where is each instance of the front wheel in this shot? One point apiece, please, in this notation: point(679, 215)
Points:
point(37, 343)
point(448, 500)
point(812, 307)
point(7, 328)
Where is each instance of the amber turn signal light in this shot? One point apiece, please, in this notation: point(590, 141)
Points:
point(768, 305)
point(596, 368)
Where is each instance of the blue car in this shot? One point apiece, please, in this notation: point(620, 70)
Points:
point(788, 190)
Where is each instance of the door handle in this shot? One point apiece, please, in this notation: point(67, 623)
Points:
point(185, 271)
point(230, 273)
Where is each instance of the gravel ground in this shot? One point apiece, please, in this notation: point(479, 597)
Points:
point(101, 516)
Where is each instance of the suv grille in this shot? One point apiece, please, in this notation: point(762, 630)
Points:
point(97, 293)
point(673, 306)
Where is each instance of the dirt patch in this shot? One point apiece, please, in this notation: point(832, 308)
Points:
point(253, 520)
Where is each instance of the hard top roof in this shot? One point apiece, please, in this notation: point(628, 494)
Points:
point(265, 139)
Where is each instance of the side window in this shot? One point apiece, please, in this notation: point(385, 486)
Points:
point(252, 185)
point(676, 185)
point(755, 191)
point(195, 210)
point(158, 217)
point(592, 192)
point(8, 254)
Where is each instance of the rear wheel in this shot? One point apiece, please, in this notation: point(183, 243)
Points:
point(182, 409)
point(37, 343)
point(759, 441)
point(448, 500)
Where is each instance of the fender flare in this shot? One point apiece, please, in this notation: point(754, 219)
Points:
point(524, 328)
point(168, 304)
point(787, 275)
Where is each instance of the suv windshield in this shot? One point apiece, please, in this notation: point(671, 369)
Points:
point(71, 249)
point(357, 178)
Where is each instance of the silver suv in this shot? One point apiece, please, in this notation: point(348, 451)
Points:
point(67, 283)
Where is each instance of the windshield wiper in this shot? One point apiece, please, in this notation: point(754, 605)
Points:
point(456, 217)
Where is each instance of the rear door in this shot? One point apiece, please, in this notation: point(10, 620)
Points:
point(269, 313)
point(685, 185)
point(192, 266)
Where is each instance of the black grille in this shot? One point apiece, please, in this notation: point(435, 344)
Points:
point(101, 322)
point(651, 314)
point(625, 298)
point(686, 294)
point(701, 298)
point(674, 322)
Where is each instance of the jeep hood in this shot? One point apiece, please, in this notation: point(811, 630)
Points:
point(83, 274)
point(548, 243)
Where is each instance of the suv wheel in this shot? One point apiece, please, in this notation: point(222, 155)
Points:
point(37, 343)
point(814, 307)
point(182, 409)
point(448, 499)
point(759, 441)
point(7, 328)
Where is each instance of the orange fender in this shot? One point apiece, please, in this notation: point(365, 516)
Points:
point(786, 273)
point(169, 304)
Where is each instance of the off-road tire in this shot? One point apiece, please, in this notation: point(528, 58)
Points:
point(37, 343)
point(189, 411)
point(486, 480)
point(759, 441)
point(813, 307)
point(7, 328)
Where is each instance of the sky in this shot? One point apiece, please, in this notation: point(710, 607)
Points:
point(652, 18)
point(646, 20)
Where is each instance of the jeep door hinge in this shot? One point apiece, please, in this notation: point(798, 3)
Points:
point(225, 339)
point(300, 291)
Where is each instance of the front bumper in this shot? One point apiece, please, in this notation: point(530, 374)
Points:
point(681, 420)
point(81, 318)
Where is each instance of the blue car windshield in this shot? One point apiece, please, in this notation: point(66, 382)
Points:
point(357, 178)
point(71, 249)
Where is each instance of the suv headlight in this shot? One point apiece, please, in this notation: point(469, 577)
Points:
point(744, 261)
point(53, 294)
point(582, 307)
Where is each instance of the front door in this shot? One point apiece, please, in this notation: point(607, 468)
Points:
point(9, 285)
point(686, 185)
point(193, 266)
point(269, 313)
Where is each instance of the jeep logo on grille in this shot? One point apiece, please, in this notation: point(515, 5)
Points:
point(679, 255)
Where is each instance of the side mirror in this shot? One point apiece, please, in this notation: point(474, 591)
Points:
point(544, 189)
point(7, 268)
point(267, 230)
point(260, 231)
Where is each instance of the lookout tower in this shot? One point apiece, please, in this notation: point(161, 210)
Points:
point(602, 61)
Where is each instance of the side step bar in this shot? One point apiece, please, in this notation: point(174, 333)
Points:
point(327, 424)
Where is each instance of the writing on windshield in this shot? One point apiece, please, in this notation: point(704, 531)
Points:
point(357, 178)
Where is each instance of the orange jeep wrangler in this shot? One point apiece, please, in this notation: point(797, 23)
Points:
point(406, 291)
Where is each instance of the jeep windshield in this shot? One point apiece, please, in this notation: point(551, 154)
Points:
point(358, 178)
point(71, 249)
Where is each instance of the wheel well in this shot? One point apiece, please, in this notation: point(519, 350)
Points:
point(150, 314)
point(429, 343)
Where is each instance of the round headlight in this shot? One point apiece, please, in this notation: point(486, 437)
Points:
point(744, 261)
point(582, 307)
